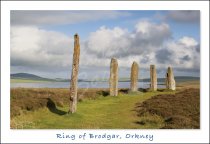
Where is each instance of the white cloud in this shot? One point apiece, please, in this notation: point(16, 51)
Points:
point(118, 42)
point(31, 46)
point(107, 42)
point(182, 54)
point(188, 41)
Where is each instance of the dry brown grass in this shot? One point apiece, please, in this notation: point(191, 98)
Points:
point(31, 99)
point(181, 110)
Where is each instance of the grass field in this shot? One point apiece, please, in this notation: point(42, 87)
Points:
point(46, 109)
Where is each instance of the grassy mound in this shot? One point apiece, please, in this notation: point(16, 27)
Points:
point(181, 110)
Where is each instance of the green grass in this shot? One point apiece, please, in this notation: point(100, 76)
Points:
point(105, 112)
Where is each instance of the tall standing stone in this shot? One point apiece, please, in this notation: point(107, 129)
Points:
point(153, 78)
point(74, 75)
point(113, 80)
point(134, 77)
point(170, 81)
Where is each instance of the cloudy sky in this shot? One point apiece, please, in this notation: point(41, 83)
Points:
point(42, 42)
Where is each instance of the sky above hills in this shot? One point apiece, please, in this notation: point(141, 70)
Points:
point(42, 42)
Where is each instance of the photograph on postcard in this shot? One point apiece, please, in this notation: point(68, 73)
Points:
point(110, 69)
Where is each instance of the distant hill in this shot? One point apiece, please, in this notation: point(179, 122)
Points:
point(25, 76)
point(28, 77)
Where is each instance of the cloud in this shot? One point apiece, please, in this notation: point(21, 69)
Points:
point(180, 54)
point(34, 47)
point(188, 41)
point(184, 16)
point(51, 17)
point(148, 43)
point(163, 56)
point(118, 42)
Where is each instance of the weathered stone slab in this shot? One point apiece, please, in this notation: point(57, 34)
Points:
point(170, 81)
point(153, 78)
point(74, 75)
point(134, 77)
point(113, 80)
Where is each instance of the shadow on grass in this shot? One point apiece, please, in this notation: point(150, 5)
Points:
point(52, 107)
point(143, 89)
point(125, 91)
point(105, 93)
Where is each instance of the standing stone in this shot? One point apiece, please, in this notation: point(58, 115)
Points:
point(170, 81)
point(134, 77)
point(74, 75)
point(113, 80)
point(153, 78)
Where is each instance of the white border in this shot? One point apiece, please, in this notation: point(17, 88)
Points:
point(48, 136)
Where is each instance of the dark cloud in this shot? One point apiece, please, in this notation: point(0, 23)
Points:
point(163, 56)
point(186, 70)
point(198, 48)
point(54, 17)
point(186, 58)
point(184, 16)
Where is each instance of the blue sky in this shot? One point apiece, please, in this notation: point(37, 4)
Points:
point(84, 28)
point(42, 41)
